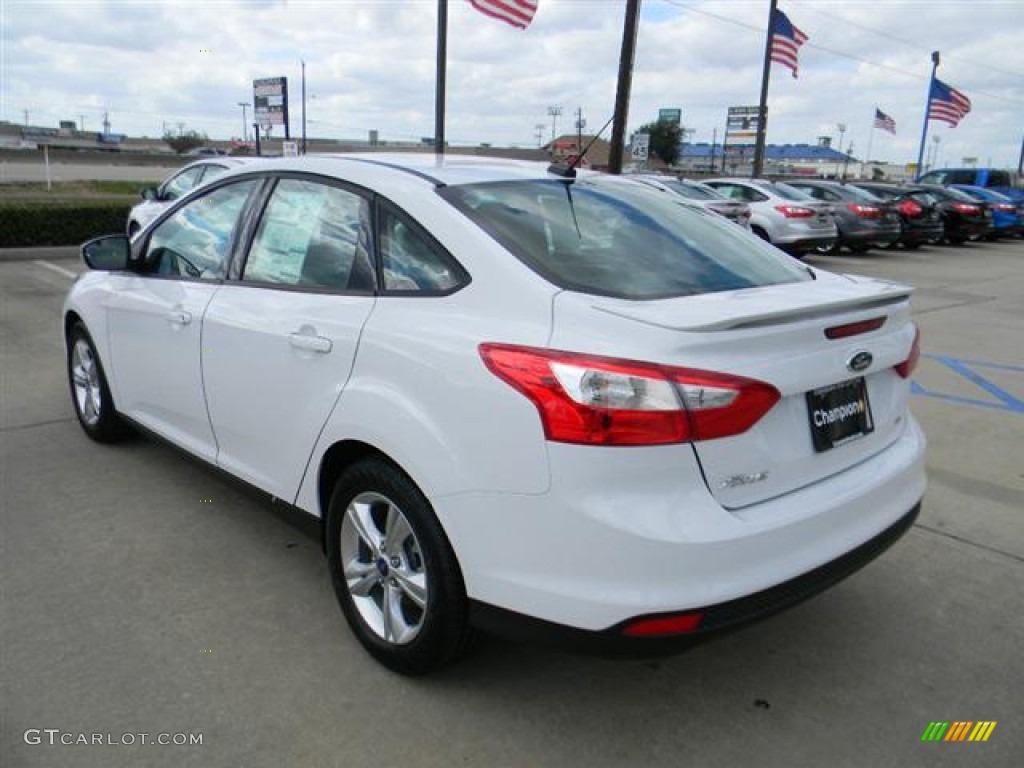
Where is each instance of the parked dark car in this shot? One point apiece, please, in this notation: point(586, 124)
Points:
point(920, 220)
point(1007, 216)
point(963, 217)
point(863, 219)
point(703, 196)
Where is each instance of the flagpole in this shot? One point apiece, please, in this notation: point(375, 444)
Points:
point(439, 88)
point(871, 138)
point(762, 111)
point(927, 113)
point(626, 57)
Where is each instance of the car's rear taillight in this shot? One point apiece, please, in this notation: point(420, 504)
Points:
point(794, 211)
point(1005, 208)
point(967, 208)
point(910, 209)
point(593, 400)
point(907, 367)
point(865, 211)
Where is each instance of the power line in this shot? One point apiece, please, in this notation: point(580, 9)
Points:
point(842, 54)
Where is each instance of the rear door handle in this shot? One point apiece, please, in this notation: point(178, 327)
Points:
point(179, 317)
point(310, 342)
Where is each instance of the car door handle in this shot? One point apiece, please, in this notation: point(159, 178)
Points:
point(179, 317)
point(310, 342)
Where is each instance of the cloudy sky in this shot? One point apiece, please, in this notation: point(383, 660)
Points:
point(370, 65)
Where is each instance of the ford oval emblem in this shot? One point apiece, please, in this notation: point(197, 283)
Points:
point(860, 361)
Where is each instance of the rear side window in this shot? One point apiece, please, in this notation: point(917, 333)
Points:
point(998, 179)
point(617, 238)
point(960, 177)
point(787, 192)
point(411, 261)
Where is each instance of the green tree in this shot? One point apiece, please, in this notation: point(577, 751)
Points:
point(666, 139)
point(183, 141)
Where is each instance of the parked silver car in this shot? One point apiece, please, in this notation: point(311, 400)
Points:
point(701, 195)
point(786, 217)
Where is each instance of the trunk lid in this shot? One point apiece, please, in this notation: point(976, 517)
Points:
point(776, 334)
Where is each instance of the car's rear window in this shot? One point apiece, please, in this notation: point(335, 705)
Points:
point(692, 191)
point(612, 237)
point(787, 192)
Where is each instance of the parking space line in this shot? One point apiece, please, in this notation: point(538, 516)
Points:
point(55, 268)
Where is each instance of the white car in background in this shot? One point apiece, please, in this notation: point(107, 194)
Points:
point(784, 216)
point(155, 200)
point(701, 195)
point(556, 405)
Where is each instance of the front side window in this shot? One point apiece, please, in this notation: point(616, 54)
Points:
point(196, 239)
point(315, 235)
point(410, 261)
point(182, 183)
point(614, 238)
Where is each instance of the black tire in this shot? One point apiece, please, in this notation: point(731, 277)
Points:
point(441, 630)
point(90, 394)
point(912, 246)
point(827, 249)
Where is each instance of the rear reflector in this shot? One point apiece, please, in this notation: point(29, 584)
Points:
point(666, 625)
point(908, 366)
point(910, 209)
point(970, 210)
point(593, 400)
point(853, 329)
point(865, 211)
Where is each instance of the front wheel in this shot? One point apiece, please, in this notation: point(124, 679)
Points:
point(90, 394)
point(394, 571)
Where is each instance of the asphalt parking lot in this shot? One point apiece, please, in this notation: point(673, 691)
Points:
point(140, 592)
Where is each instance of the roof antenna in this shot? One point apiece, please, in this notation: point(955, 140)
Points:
point(568, 170)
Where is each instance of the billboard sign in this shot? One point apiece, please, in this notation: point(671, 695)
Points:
point(741, 126)
point(673, 116)
point(270, 101)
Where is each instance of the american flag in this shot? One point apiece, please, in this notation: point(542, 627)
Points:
point(786, 41)
point(947, 104)
point(884, 122)
point(518, 13)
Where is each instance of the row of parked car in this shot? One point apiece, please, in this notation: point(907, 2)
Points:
point(802, 215)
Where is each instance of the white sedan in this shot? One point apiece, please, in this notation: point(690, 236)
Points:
point(562, 406)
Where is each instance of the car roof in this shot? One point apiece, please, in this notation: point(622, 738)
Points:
point(444, 170)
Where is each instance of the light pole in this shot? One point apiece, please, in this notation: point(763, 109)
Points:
point(245, 123)
point(842, 130)
point(554, 111)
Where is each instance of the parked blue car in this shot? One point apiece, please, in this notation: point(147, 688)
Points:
point(1007, 214)
point(996, 179)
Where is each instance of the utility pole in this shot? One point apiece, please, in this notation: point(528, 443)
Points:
point(106, 123)
point(626, 57)
point(580, 123)
point(303, 107)
point(26, 117)
point(554, 111)
point(842, 132)
point(81, 123)
point(539, 128)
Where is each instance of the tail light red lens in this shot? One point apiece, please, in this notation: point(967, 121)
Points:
point(910, 209)
point(865, 211)
point(592, 400)
point(908, 366)
point(970, 210)
point(1005, 208)
point(795, 211)
point(854, 329)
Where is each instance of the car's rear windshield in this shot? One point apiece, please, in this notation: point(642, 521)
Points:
point(863, 194)
point(613, 237)
point(787, 192)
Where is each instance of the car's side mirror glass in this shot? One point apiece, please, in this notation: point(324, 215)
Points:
point(108, 253)
point(150, 193)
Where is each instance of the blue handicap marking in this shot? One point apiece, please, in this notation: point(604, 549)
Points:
point(968, 370)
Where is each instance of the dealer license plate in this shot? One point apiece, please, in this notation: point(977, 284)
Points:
point(839, 413)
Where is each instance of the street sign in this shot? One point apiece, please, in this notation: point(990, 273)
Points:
point(672, 115)
point(641, 146)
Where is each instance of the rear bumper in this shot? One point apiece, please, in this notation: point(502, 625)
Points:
point(864, 235)
point(922, 233)
point(626, 534)
point(716, 619)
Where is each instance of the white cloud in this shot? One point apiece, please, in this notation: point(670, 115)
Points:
point(370, 65)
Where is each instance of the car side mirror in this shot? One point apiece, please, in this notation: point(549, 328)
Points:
point(109, 253)
point(150, 193)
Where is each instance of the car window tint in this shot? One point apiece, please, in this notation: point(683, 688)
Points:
point(313, 234)
point(410, 261)
point(959, 177)
point(182, 183)
point(195, 240)
point(211, 171)
point(935, 177)
point(614, 238)
point(997, 179)
point(787, 192)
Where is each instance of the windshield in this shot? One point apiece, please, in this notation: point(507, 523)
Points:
point(613, 237)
